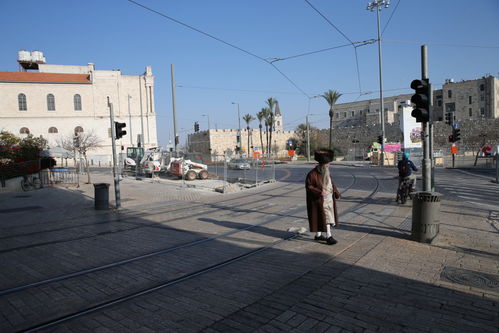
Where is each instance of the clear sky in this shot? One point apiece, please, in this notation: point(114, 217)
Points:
point(462, 38)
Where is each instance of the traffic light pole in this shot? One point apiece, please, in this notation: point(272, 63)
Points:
point(115, 174)
point(426, 127)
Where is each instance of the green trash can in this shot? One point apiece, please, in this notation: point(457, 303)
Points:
point(101, 196)
point(425, 216)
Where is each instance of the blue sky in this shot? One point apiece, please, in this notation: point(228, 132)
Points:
point(462, 38)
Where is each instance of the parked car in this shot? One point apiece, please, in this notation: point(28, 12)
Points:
point(238, 164)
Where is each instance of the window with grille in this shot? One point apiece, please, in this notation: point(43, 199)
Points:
point(77, 102)
point(53, 130)
point(78, 129)
point(50, 102)
point(21, 99)
point(24, 130)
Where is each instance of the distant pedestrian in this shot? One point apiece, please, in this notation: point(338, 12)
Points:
point(321, 198)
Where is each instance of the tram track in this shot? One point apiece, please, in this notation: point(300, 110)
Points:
point(170, 282)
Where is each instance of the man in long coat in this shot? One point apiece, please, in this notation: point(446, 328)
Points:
point(321, 198)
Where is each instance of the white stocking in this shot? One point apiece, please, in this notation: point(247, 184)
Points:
point(329, 231)
point(319, 234)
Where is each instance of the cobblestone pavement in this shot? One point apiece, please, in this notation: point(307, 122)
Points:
point(188, 259)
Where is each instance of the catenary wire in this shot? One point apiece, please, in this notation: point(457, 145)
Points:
point(441, 44)
point(390, 18)
point(219, 40)
point(348, 39)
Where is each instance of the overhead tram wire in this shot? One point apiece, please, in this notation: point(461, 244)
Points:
point(441, 44)
point(348, 39)
point(221, 41)
point(390, 18)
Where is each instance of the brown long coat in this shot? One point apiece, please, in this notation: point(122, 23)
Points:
point(315, 201)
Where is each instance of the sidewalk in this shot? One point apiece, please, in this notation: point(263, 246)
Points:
point(374, 279)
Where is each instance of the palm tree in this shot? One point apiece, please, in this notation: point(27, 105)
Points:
point(331, 96)
point(248, 119)
point(261, 116)
point(266, 113)
point(271, 102)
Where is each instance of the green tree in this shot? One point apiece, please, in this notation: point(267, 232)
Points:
point(266, 113)
point(331, 96)
point(248, 119)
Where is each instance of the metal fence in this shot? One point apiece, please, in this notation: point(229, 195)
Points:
point(223, 170)
point(58, 176)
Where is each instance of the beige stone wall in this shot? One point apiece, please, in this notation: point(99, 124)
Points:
point(94, 115)
point(226, 139)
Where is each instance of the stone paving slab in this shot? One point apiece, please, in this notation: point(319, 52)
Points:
point(375, 279)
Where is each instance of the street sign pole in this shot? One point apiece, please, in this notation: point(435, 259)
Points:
point(113, 138)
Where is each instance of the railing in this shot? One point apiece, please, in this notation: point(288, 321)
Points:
point(58, 176)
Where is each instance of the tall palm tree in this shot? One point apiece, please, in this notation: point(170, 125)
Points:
point(261, 116)
point(331, 96)
point(266, 116)
point(271, 102)
point(248, 119)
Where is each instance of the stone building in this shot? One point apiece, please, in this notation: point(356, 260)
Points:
point(366, 112)
point(219, 141)
point(56, 101)
point(471, 99)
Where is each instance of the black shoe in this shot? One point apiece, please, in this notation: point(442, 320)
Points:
point(331, 241)
point(320, 238)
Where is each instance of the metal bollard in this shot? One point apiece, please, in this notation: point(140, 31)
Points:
point(101, 196)
point(425, 216)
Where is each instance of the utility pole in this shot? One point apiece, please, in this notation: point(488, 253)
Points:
point(308, 140)
point(113, 138)
point(175, 135)
point(130, 121)
point(377, 4)
point(239, 130)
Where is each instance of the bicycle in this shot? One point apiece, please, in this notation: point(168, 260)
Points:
point(405, 190)
point(30, 183)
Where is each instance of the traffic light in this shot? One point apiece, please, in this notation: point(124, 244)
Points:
point(456, 133)
point(421, 99)
point(196, 127)
point(119, 129)
point(380, 139)
point(451, 138)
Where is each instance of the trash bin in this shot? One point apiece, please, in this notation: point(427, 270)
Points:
point(101, 196)
point(425, 216)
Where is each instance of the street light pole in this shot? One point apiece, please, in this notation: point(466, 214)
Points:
point(239, 130)
point(376, 4)
point(205, 115)
point(308, 127)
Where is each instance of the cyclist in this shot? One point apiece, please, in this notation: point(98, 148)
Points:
point(405, 167)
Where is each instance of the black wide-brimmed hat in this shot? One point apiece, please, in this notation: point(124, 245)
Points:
point(324, 155)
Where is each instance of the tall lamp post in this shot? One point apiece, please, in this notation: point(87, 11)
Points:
point(376, 5)
point(308, 126)
point(239, 130)
point(205, 115)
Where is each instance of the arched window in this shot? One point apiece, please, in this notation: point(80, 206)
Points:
point(78, 129)
point(50, 102)
point(24, 130)
point(21, 99)
point(77, 102)
point(53, 130)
